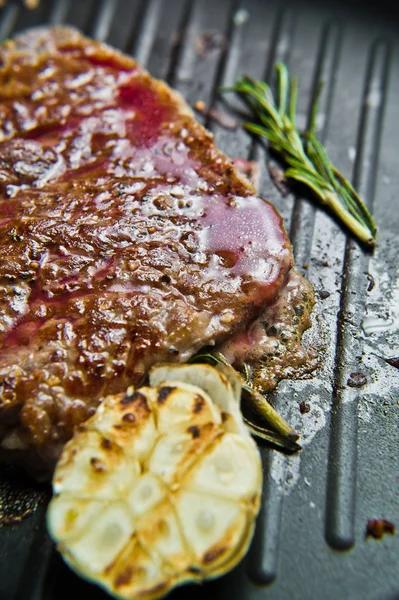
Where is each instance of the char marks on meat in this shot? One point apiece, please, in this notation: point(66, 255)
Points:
point(126, 237)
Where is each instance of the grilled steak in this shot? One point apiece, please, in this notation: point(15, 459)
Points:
point(126, 237)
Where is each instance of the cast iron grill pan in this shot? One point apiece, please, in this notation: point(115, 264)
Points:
point(310, 539)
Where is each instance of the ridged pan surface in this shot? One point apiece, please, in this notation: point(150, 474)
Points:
point(310, 539)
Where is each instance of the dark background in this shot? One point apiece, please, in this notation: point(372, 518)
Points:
point(310, 541)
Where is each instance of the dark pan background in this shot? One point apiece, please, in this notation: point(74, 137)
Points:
point(310, 539)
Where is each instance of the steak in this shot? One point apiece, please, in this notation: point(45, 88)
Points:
point(126, 238)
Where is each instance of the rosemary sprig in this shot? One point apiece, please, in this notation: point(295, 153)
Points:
point(304, 154)
point(264, 409)
point(280, 433)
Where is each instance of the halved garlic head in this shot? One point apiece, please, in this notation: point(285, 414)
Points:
point(160, 487)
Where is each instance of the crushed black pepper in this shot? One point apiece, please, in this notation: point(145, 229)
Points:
point(323, 294)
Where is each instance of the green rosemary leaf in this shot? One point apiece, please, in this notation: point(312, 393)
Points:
point(272, 437)
point(264, 132)
point(282, 88)
point(280, 432)
point(246, 373)
point(265, 410)
point(319, 158)
point(306, 180)
point(211, 358)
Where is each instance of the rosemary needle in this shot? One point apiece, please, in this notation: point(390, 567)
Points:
point(304, 154)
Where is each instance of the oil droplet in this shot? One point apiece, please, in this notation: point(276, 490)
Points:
point(376, 325)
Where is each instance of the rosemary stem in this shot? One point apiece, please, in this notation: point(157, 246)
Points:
point(272, 437)
point(266, 410)
point(306, 158)
point(359, 230)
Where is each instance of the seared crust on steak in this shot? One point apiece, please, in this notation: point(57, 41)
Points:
point(126, 237)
